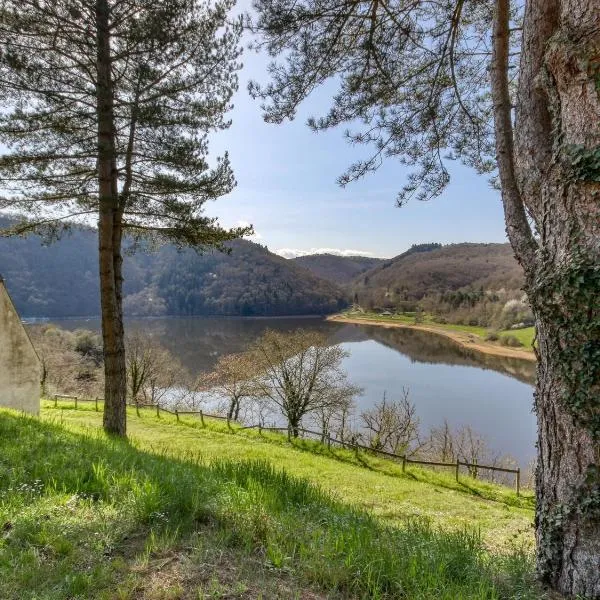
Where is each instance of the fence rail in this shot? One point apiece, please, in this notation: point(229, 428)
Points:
point(473, 467)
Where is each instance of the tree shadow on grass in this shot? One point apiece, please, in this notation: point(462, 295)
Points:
point(83, 508)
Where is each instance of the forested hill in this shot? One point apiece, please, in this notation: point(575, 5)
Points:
point(434, 269)
point(61, 280)
point(339, 269)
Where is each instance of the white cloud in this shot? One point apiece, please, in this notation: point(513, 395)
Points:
point(256, 237)
point(295, 253)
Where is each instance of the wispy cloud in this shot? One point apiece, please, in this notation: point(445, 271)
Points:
point(295, 253)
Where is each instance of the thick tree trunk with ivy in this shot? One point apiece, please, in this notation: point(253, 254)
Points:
point(109, 236)
point(413, 85)
point(554, 172)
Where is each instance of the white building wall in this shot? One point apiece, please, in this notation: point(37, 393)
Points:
point(20, 369)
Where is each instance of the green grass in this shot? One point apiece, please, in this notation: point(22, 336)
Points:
point(182, 511)
point(525, 335)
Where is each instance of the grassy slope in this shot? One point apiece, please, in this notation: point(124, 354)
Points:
point(88, 517)
point(525, 335)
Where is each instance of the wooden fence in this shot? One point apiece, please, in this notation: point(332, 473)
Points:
point(354, 445)
point(159, 409)
point(473, 467)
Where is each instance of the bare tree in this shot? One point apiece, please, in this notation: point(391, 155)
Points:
point(471, 448)
point(393, 426)
point(442, 446)
point(70, 360)
point(234, 377)
point(301, 374)
point(467, 445)
point(333, 416)
point(152, 371)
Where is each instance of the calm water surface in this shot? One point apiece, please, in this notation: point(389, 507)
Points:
point(493, 395)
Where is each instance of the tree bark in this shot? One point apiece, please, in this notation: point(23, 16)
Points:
point(109, 236)
point(553, 175)
point(293, 427)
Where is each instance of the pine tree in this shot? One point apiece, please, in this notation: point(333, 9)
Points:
point(106, 106)
point(426, 82)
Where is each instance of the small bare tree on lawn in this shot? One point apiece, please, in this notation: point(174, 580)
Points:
point(333, 416)
point(300, 374)
point(393, 426)
point(233, 377)
point(470, 447)
point(465, 444)
point(442, 445)
point(152, 371)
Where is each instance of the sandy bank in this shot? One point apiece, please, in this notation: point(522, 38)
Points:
point(469, 340)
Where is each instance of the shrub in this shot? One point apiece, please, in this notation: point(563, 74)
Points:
point(511, 340)
point(492, 336)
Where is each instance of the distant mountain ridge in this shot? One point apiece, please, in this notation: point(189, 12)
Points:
point(337, 269)
point(435, 269)
point(61, 280)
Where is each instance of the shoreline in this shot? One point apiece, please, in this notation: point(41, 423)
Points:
point(467, 340)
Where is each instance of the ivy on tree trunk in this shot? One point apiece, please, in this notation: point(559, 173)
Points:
point(414, 82)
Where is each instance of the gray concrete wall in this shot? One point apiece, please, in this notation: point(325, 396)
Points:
point(20, 369)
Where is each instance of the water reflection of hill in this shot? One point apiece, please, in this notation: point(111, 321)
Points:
point(199, 341)
point(421, 346)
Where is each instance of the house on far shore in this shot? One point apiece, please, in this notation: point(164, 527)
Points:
point(20, 368)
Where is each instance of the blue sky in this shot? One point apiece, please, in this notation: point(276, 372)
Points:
point(287, 188)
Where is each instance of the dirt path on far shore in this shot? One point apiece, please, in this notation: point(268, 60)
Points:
point(468, 340)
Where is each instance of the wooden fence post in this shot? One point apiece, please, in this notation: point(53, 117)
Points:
point(55, 400)
point(518, 480)
point(404, 463)
point(75, 401)
point(158, 410)
point(228, 424)
point(329, 440)
point(177, 414)
point(96, 403)
point(457, 468)
point(260, 429)
point(202, 418)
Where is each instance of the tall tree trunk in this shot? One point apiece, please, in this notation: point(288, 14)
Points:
point(556, 177)
point(109, 236)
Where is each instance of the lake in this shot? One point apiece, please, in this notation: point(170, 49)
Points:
point(493, 395)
